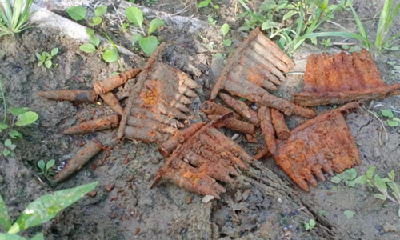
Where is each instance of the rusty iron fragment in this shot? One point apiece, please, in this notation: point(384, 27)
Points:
point(158, 103)
point(258, 60)
point(116, 81)
point(241, 108)
point(255, 67)
point(94, 125)
point(202, 159)
point(342, 78)
point(70, 95)
point(281, 129)
point(321, 144)
point(80, 159)
point(264, 114)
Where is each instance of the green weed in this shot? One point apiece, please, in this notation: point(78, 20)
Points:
point(395, 71)
point(45, 167)
point(205, 3)
point(40, 211)
point(147, 42)
point(225, 30)
point(46, 58)
point(14, 20)
point(309, 225)
point(391, 120)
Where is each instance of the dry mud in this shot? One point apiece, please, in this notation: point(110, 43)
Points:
point(264, 204)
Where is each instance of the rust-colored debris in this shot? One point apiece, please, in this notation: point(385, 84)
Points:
point(116, 81)
point(241, 108)
point(281, 129)
point(207, 156)
point(322, 143)
point(158, 103)
point(264, 114)
point(235, 124)
point(257, 65)
point(342, 78)
point(70, 95)
point(80, 159)
point(212, 108)
point(112, 101)
point(94, 125)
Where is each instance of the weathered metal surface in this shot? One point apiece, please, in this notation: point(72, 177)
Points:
point(256, 66)
point(342, 78)
point(158, 103)
point(202, 159)
point(322, 143)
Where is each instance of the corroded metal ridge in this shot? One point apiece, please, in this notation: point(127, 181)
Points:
point(322, 143)
point(202, 159)
point(158, 102)
point(342, 78)
point(255, 67)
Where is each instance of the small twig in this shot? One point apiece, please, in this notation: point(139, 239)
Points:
point(343, 44)
point(383, 125)
point(115, 9)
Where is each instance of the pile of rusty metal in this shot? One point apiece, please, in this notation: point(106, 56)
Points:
point(199, 155)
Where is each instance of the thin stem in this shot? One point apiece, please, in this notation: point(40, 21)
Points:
point(373, 114)
point(385, 193)
point(4, 100)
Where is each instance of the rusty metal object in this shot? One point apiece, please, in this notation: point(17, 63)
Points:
point(202, 159)
point(116, 81)
point(322, 143)
point(70, 95)
point(281, 129)
point(80, 159)
point(342, 78)
point(264, 114)
point(241, 108)
point(158, 102)
point(94, 125)
point(255, 67)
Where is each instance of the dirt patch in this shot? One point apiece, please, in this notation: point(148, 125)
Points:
point(264, 205)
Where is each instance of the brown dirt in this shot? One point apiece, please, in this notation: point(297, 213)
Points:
point(265, 204)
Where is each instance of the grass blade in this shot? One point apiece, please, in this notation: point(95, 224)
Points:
point(300, 20)
point(8, 13)
point(380, 35)
point(360, 26)
point(328, 34)
point(16, 13)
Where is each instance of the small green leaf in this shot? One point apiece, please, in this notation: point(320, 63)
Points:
point(47, 207)
point(134, 15)
point(227, 42)
point(39, 57)
point(349, 214)
point(391, 174)
point(18, 111)
point(49, 164)
point(349, 174)
point(94, 40)
point(380, 183)
point(394, 48)
point(77, 12)
point(148, 44)
point(42, 165)
point(216, 7)
point(370, 172)
point(289, 14)
point(361, 180)
point(3, 126)
point(5, 221)
point(218, 55)
point(7, 143)
point(15, 134)
point(380, 196)
point(154, 24)
point(100, 11)
point(48, 63)
point(38, 236)
point(336, 179)
point(203, 3)
point(225, 29)
point(26, 118)
point(312, 223)
point(87, 48)
point(307, 226)
point(6, 236)
point(110, 55)
point(54, 51)
point(387, 113)
point(95, 21)
point(392, 123)
point(6, 152)
point(136, 37)
point(89, 31)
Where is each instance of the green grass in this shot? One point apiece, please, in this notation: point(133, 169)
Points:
point(14, 20)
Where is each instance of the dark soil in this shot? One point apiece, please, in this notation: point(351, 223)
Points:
point(265, 204)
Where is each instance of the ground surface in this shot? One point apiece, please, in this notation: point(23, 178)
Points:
point(265, 204)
